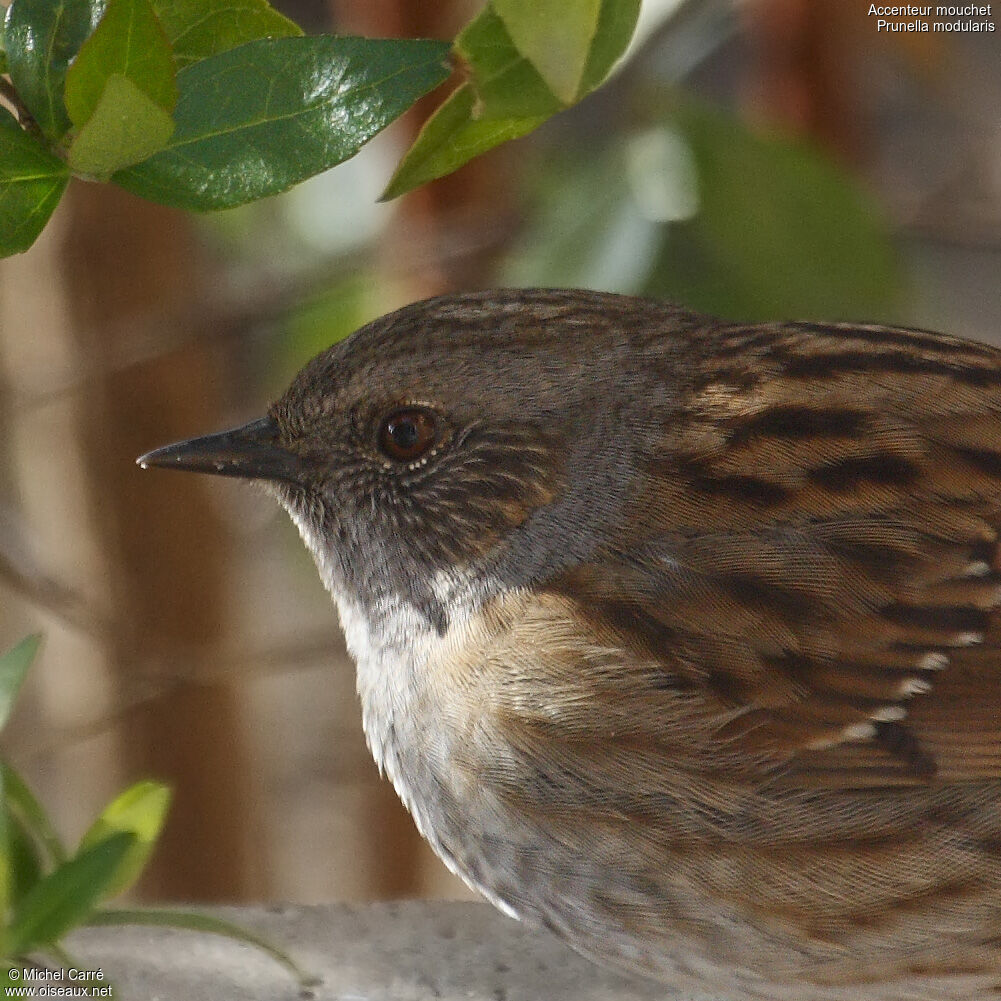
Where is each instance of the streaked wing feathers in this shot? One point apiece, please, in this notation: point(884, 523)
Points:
point(815, 550)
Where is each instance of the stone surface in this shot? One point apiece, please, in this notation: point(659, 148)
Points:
point(408, 951)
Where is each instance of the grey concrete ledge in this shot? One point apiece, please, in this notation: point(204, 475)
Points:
point(408, 951)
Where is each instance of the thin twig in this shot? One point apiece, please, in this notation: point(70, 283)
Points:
point(152, 682)
point(18, 572)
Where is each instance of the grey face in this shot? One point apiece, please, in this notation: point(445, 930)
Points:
point(403, 488)
point(432, 441)
point(455, 437)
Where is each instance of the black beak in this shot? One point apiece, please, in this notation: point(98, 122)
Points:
point(253, 452)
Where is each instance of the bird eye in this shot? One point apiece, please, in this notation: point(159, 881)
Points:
point(406, 434)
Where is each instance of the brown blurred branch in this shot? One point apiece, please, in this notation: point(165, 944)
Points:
point(123, 258)
point(231, 320)
point(34, 585)
point(806, 75)
point(153, 681)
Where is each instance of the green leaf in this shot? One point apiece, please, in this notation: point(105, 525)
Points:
point(616, 25)
point(555, 36)
point(65, 897)
point(125, 128)
point(42, 37)
point(141, 811)
point(15, 662)
point(513, 87)
point(7, 870)
point(198, 29)
point(20, 866)
point(258, 119)
point(506, 84)
point(201, 923)
point(129, 43)
point(3, 45)
point(512, 83)
point(25, 861)
point(28, 812)
point(452, 137)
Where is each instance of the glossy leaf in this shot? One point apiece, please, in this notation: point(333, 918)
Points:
point(258, 119)
point(513, 87)
point(192, 921)
point(32, 181)
point(198, 29)
point(22, 805)
point(42, 37)
point(555, 36)
point(15, 662)
point(141, 811)
point(452, 137)
point(126, 127)
point(506, 84)
point(65, 897)
point(129, 43)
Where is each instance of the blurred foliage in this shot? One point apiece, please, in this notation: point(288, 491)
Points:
point(46, 891)
point(696, 207)
point(208, 104)
point(169, 101)
point(649, 191)
point(514, 82)
point(324, 319)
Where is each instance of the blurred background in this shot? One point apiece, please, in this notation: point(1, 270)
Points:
point(757, 159)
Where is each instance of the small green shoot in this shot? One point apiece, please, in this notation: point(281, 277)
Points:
point(47, 891)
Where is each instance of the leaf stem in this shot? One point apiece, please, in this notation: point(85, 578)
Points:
point(24, 117)
point(194, 921)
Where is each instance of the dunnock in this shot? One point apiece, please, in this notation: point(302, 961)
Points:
point(675, 636)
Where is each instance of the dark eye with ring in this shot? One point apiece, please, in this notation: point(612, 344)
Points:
point(407, 433)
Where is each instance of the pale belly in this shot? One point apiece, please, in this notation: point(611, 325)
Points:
point(720, 913)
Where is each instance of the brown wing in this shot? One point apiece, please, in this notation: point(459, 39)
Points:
point(813, 555)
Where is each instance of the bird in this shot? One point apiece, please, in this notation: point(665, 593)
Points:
point(677, 636)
